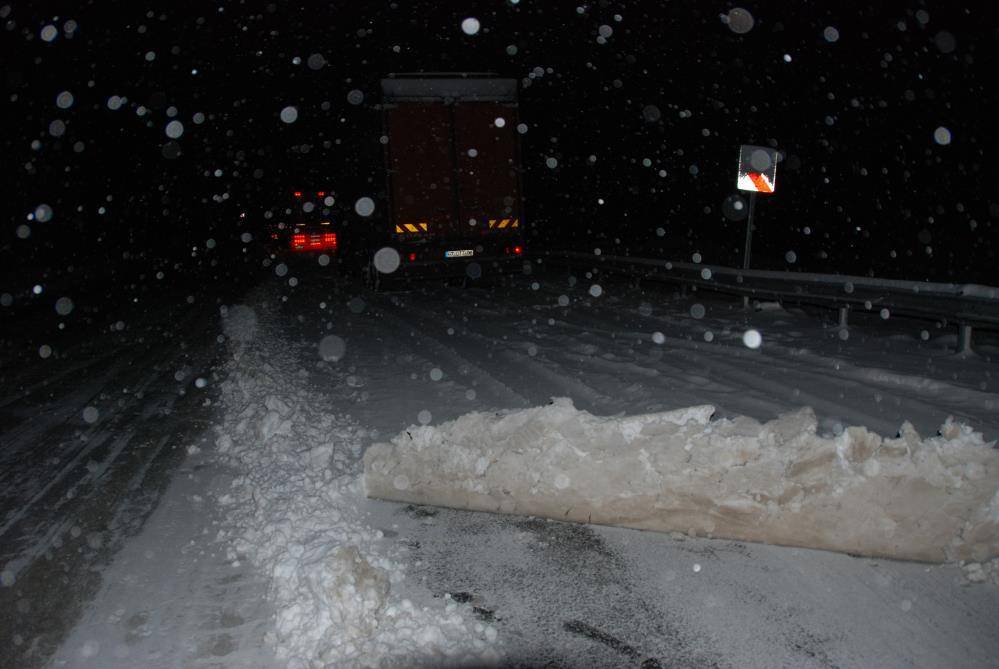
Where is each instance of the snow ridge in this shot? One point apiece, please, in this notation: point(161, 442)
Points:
point(295, 511)
point(780, 482)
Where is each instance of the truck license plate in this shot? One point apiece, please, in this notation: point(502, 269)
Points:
point(459, 253)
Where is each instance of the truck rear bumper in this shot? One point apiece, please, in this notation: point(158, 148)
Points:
point(469, 268)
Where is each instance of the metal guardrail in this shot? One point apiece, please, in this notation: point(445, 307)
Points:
point(966, 305)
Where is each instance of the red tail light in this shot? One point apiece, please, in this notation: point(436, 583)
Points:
point(298, 193)
point(412, 257)
point(325, 241)
point(517, 250)
point(321, 193)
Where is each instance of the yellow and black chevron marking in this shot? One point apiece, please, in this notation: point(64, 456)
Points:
point(412, 227)
point(500, 223)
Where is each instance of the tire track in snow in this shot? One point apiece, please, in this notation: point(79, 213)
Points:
point(503, 394)
point(726, 358)
point(35, 523)
point(936, 388)
point(757, 372)
point(522, 365)
point(550, 361)
point(28, 448)
point(85, 535)
point(55, 380)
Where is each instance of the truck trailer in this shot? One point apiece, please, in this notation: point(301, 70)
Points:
point(453, 171)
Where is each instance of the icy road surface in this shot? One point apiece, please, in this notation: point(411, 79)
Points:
point(94, 419)
point(238, 566)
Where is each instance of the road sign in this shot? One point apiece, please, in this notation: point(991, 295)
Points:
point(757, 174)
point(757, 169)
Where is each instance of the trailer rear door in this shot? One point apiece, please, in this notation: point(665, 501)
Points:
point(487, 164)
point(420, 168)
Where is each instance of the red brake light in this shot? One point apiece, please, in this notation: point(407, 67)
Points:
point(298, 193)
point(517, 250)
point(412, 257)
point(314, 242)
point(321, 193)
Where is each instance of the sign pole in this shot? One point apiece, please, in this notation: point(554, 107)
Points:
point(757, 174)
point(749, 230)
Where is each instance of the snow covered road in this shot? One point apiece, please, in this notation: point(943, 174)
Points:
point(93, 427)
point(264, 527)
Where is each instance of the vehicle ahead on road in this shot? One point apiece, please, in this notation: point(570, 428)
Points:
point(306, 228)
point(454, 176)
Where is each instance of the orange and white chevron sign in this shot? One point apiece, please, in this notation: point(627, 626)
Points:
point(757, 169)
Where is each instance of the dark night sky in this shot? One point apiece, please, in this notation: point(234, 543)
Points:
point(864, 188)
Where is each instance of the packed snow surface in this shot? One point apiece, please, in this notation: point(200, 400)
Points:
point(262, 544)
point(294, 513)
point(780, 482)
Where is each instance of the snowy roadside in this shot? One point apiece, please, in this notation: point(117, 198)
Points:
point(295, 511)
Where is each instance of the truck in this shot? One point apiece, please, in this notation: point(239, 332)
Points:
point(453, 169)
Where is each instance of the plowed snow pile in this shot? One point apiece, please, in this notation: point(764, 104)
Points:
point(934, 499)
point(293, 510)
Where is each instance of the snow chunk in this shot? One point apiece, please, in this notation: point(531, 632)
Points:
point(352, 595)
point(780, 482)
point(979, 572)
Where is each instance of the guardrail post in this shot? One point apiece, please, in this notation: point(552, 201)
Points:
point(963, 338)
point(843, 316)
